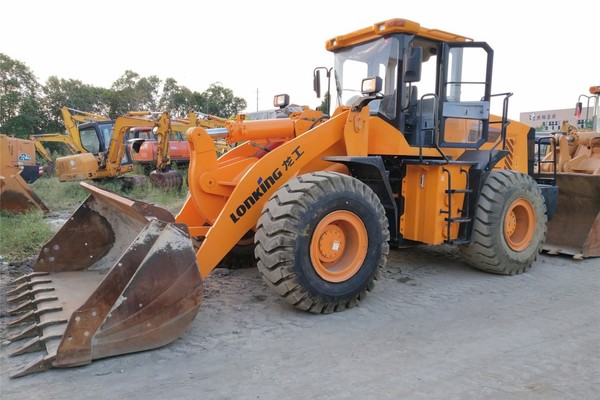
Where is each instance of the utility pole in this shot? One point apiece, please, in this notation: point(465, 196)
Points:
point(256, 99)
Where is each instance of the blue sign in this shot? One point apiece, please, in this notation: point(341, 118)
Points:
point(24, 157)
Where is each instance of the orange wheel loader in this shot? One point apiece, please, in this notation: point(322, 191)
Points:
point(412, 155)
point(15, 194)
point(575, 157)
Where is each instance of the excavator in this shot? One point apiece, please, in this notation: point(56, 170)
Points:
point(106, 154)
point(77, 123)
point(574, 154)
point(149, 152)
point(412, 155)
point(40, 138)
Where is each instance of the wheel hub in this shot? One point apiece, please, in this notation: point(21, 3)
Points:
point(331, 243)
point(519, 224)
point(339, 246)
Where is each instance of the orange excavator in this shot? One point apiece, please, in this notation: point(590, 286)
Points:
point(147, 149)
point(320, 198)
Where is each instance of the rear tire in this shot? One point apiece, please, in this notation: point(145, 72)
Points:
point(510, 224)
point(321, 241)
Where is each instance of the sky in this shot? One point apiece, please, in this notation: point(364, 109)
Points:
point(545, 53)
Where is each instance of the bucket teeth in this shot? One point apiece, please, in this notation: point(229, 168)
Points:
point(34, 330)
point(33, 315)
point(29, 294)
point(30, 305)
point(39, 364)
point(36, 344)
point(29, 331)
point(26, 286)
point(27, 278)
point(30, 346)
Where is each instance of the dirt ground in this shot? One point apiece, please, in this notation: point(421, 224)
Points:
point(433, 328)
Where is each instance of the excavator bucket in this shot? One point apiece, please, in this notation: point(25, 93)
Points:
point(166, 180)
point(575, 227)
point(119, 277)
point(15, 194)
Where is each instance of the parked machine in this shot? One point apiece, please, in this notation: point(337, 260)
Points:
point(575, 229)
point(412, 155)
point(107, 155)
point(146, 150)
point(73, 119)
point(18, 167)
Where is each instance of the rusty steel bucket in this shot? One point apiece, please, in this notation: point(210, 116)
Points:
point(166, 180)
point(119, 277)
point(575, 227)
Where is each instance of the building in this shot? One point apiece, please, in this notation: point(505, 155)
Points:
point(551, 120)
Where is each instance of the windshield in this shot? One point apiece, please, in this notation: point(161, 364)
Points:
point(106, 130)
point(376, 58)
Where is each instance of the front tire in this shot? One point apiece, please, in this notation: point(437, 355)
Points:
point(321, 241)
point(510, 224)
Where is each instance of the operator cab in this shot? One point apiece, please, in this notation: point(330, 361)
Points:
point(436, 92)
point(95, 138)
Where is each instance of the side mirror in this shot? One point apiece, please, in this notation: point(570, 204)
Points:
point(413, 59)
point(317, 82)
point(578, 108)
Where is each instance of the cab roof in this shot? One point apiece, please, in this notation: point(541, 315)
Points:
point(396, 25)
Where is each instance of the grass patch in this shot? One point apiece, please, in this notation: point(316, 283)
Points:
point(59, 196)
point(22, 235)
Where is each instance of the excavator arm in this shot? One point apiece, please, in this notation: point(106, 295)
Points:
point(109, 164)
point(67, 140)
point(72, 118)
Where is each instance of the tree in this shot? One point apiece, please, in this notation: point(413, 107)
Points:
point(176, 100)
point(20, 111)
point(132, 93)
point(324, 107)
point(220, 101)
point(71, 93)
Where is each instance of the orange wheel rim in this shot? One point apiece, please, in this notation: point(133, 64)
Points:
point(519, 224)
point(338, 246)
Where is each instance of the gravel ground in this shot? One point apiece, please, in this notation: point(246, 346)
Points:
point(433, 328)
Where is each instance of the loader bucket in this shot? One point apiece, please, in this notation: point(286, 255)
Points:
point(119, 277)
point(15, 194)
point(575, 227)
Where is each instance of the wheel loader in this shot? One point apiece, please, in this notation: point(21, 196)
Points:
point(575, 156)
point(412, 155)
point(15, 194)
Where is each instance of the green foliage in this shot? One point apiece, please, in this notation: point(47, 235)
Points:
point(71, 93)
point(324, 107)
point(20, 111)
point(220, 101)
point(22, 235)
point(26, 107)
